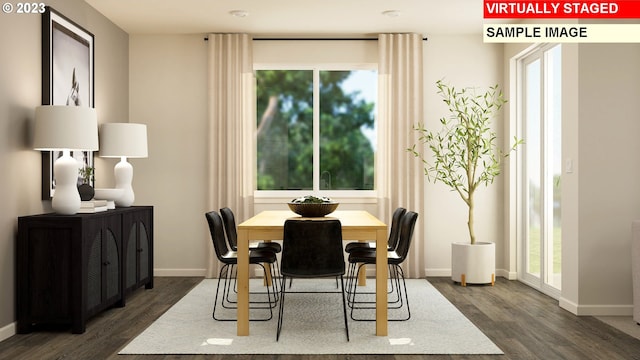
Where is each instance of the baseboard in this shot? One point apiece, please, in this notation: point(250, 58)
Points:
point(568, 305)
point(180, 272)
point(7, 331)
point(447, 273)
point(605, 310)
point(596, 310)
point(509, 275)
point(370, 272)
point(438, 272)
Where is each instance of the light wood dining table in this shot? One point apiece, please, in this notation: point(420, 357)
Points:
point(269, 225)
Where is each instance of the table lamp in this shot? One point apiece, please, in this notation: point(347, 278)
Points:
point(123, 140)
point(65, 128)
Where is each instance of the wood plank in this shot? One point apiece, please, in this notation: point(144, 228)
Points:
point(524, 323)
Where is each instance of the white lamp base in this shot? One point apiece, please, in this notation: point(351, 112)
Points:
point(123, 172)
point(66, 199)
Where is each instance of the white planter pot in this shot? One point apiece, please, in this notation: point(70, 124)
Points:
point(473, 264)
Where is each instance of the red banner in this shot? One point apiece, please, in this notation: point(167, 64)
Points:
point(519, 9)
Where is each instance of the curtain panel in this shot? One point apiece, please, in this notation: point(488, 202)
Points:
point(230, 93)
point(401, 98)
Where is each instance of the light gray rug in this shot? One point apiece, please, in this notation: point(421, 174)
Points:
point(313, 324)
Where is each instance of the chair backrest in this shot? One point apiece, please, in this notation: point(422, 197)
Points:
point(395, 227)
point(312, 248)
point(217, 234)
point(407, 224)
point(229, 221)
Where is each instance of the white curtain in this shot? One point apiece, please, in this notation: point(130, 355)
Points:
point(230, 92)
point(401, 107)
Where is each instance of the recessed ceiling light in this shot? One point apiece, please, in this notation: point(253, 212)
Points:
point(239, 13)
point(391, 13)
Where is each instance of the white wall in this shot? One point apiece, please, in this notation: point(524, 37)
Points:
point(20, 93)
point(461, 61)
point(168, 89)
point(168, 92)
point(609, 195)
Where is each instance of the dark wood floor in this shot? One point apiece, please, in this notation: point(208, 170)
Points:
point(524, 323)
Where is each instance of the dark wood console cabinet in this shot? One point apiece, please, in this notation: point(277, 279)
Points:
point(71, 267)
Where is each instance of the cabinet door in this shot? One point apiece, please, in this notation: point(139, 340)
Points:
point(103, 262)
point(45, 267)
point(94, 270)
point(131, 255)
point(138, 245)
point(144, 249)
point(111, 259)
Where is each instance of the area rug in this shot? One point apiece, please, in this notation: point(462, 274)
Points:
point(313, 324)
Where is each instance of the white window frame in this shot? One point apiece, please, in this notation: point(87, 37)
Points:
point(356, 196)
point(535, 52)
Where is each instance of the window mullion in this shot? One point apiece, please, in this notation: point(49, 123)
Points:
point(316, 130)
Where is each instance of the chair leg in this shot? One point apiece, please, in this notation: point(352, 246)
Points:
point(281, 307)
point(354, 292)
point(401, 289)
point(224, 269)
point(227, 287)
point(350, 280)
point(228, 272)
point(344, 307)
point(230, 303)
point(406, 295)
point(391, 290)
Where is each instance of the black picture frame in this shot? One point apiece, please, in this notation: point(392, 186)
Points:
point(67, 79)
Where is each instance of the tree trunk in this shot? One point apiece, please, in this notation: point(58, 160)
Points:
point(472, 234)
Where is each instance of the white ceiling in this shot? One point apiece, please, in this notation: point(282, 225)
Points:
point(294, 18)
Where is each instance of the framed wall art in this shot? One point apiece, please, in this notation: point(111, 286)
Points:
point(67, 79)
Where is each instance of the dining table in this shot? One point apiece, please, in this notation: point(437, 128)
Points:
point(268, 225)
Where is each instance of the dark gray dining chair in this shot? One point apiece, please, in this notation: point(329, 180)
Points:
point(393, 235)
point(312, 249)
point(358, 259)
point(392, 242)
point(229, 259)
point(229, 222)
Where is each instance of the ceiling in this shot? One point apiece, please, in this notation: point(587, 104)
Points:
point(294, 18)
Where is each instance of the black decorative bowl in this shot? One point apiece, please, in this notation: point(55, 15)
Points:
point(313, 210)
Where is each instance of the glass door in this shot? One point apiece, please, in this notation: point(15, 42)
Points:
point(540, 228)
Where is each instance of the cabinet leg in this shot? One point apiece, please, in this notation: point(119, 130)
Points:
point(23, 327)
point(78, 328)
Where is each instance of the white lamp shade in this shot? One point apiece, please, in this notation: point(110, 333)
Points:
point(65, 127)
point(123, 140)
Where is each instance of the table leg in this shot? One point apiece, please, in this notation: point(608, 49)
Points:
point(266, 279)
point(243, 283)
point(381, 283)
point(362, 276)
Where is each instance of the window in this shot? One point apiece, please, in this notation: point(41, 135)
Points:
point(316, 129)
point(541, 203)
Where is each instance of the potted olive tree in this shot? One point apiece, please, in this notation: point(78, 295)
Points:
point(465, 155)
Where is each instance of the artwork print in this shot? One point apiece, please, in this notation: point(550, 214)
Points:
point(67, 79)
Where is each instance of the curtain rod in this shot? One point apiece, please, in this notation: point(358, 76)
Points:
point(314, 39)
